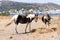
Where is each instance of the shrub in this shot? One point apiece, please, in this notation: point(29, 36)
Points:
point(4, 14)
point(28, 13)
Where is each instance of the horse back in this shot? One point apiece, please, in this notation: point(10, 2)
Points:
point(21, 19)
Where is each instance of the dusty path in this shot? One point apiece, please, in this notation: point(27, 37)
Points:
point(40, 30)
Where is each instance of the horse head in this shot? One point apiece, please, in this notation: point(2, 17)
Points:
point(36, 17)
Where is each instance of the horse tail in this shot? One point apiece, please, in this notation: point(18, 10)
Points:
point(10, 21)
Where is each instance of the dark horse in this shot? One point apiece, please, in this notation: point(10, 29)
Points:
point(46, 19)
point(23, 19)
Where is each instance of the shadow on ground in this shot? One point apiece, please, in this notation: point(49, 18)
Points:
point(40, 30)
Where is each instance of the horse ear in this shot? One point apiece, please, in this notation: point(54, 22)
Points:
point(36, 14)
point(26, 14)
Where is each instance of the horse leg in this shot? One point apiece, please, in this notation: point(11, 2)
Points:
point(47, 24)
point(16, 28)
point(26, 27)
point(30, 27)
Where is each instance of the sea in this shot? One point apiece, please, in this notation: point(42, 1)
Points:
point(56, 14)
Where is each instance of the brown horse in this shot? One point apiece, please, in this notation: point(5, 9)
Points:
point(46, 19)
point(23, 20)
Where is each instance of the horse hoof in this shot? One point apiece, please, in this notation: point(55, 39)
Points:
point(16, 32)
point(30, 31)
point(25, 32)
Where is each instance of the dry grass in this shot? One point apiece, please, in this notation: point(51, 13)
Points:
point(39, 30)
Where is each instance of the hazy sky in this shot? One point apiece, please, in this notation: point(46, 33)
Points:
point(39, 1)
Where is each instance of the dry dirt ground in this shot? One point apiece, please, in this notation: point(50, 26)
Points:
point(39, 30)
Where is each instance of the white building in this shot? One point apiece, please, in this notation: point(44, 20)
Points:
point(53, 11)
point(13, 12)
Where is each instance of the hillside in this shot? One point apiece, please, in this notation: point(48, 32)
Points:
point(6, 5)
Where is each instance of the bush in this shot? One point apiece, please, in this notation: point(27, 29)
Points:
point(4, 14)
point(28, 13)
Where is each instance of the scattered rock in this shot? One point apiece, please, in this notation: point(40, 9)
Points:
point(11, 37)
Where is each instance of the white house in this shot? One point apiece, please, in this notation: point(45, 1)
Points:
point(53, 11)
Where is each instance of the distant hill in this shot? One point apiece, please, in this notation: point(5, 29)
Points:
point(6, 5)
